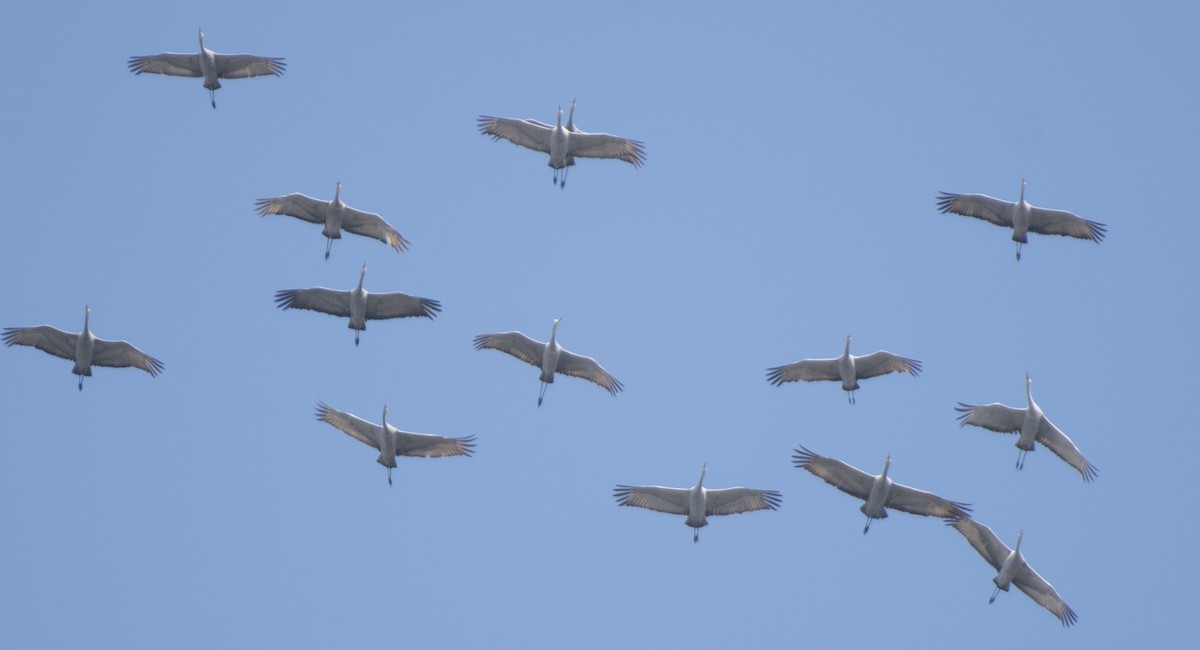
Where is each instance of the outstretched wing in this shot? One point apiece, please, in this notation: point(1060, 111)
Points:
point(603, 145)
point(1061, 222)
point(653, 497)
point(994, 416)
point(576, 365)
point(845, 477)
point(920, 502)
point(45, 338)
point(806, 370)
point(240, 66)
point(980, 206)
point(514, 343)
point(1056, 441)
point(530, 134)
point(731, 501)
point(881, 363)
point(172, 63)
point(400, 305)
point(982, 539)
point(121, 354)
point(351, 425)
point(369, 224)
point(1043, 593)
point(326, 301)
point(296, 205)
point(426, 445)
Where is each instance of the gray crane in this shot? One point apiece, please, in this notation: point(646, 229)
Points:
point(550, 357)
point(563, 143)
point(847, 369)
point(83, 348)
point(879, 491)
point(698, 503)
point(1032, 424)
point(334, 216)
point(357, 304)
point(392, 442)
point(1022, 217)
point(208, 64)
point(1012, 569)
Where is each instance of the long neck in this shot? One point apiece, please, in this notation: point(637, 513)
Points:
point(559, 123)
point(571, 116)
point(886, 463)
point(1022, 197)
point(362, 275)
point(846, 350)
point(700, 483)
point(87, 312)
point(553, 332)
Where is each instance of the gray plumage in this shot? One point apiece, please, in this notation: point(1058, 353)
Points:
point(208, 64)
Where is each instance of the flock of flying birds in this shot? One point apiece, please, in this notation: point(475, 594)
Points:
point(564, 143)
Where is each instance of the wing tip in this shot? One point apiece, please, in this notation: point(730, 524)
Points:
point(802, 456)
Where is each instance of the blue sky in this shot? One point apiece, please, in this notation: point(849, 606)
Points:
point(794, 154)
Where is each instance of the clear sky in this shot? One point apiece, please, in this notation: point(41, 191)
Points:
point(794, 154)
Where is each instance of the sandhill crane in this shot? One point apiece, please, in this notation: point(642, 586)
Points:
point(334, 216)
point(698, 503)
point(879, 491)
point(392, 442)
point(357, 304)
point(1032, 424)
point(83, 348)
point(1021, 217)
point(208, 64)
point(550, 357)
point(847, 369)
point(563, 144)
point(1012, 569)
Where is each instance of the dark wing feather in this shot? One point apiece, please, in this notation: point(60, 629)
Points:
point(121, 354)
point(326, 301)
point(240, 66)
point(806, 370)
point(982, 539)
point(530, 134)
point(1056, 441)
point(369, 224)
point(845, 477)
point(980, 206)
point(653, 497)
point(603, 145)
point(575, 365)
point(1043, 593)
point(514, 343)
point(920, 502)
point(1061, 222)
point(995, 416)
point(45, 338)
point(172, 63)
point(296, 205)
point(351, 425)
point(735, 500)
point(882, 363)
point(400, 305)
point(424, 445)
